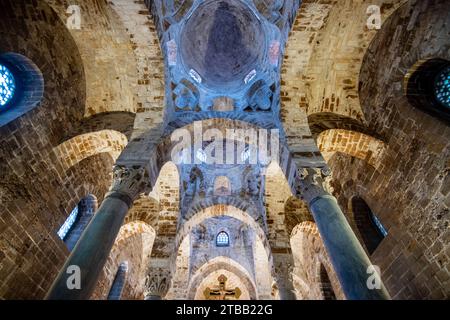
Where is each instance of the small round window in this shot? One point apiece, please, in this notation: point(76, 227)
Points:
point(442, 87)
point(428, 88)
point(7, 86)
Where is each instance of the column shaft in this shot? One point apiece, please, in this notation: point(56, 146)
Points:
point(349, 259)
point(91, 252)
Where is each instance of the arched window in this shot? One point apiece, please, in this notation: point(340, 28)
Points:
point(77, 221)
point(7, 86)
point(325, 284)
point(442, 87)
point(115, 293)
point(222, 239)
point(428, 88)
point(21, 86)
point(68, 224)
point(369, 226)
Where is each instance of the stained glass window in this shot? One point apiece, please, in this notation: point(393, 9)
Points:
point(222, 239)
point(7, 85)
point(442, 87)
point(65, 228)
point(378, 224)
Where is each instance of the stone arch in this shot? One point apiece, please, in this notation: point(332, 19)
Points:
point(309, 254)
point(242, 204)
point(133, 244)
point(86, 145)
point(296, 212)
point(81, 181)
point(355, 144)
point(323, 121)
point(145, 209)
point(333, 87)
point(157, 151)
point(120, 121)
point(217, 264)
point(222, 210)
point(154, 152)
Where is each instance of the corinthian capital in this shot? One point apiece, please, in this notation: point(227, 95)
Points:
point(128, 183)
point(311, 183)
point(157, 283)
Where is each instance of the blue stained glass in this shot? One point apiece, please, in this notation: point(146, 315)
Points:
point(442, 87)
point(68, 224)
point(222, 239)
point(7, 85)
point(380, 227)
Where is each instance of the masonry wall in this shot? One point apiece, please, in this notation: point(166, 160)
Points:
point(408, 189)
point(38, 188)
point(31, 210)
point(133, 245)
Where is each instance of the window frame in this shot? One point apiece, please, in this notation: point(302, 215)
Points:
point(419, 85)
point(222, 245)
point(29, 90)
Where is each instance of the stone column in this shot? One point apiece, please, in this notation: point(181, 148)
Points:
point(157, 284)
point(78, 277)
point(349, 259)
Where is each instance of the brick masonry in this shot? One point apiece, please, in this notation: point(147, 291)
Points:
point(104, 87)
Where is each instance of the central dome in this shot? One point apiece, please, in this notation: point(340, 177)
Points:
point(222, 41)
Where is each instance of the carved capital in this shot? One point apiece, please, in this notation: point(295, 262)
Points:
point(157, 283)
point(311, 183)
point(129, 183)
